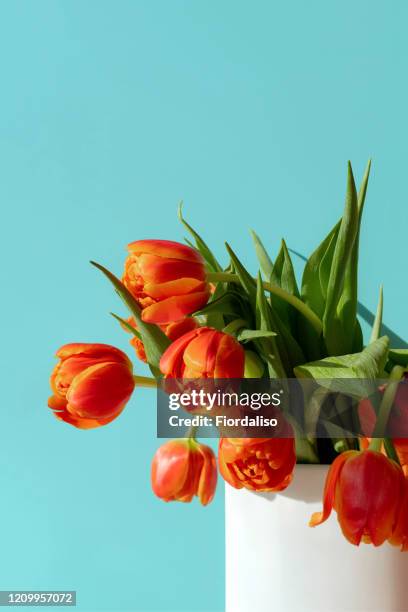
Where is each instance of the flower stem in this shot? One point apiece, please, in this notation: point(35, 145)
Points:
point(387, 402)
point(227, 277)
point(234, 326)
point(375, 444)
point(145, 381)
point(191, 433)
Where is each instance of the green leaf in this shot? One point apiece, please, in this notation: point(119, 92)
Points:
point(333, 324)
point(154, 340)
point(317, 272)
point(390, 450)
point(126, 324)
point(229, 303)
point(376, 330)
point(336, 372)
point(253, 334)
point(264, 260)
point(283, 275)
point(399, 357)
point(202, 247)
point(246, 280)
point(264, 322)
point(313, 407)
point(347, 307)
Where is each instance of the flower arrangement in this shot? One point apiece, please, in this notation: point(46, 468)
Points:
point(192, 318)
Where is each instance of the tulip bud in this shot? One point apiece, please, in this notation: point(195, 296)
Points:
point(182, 469)
point(203, 353)
point(91, 384)
point(167, 279)
point(254, 367)
point(258, 464)
point(367, 491)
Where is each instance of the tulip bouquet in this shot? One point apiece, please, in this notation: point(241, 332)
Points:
point(193, 318)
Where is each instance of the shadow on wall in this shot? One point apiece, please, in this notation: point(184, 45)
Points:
point(395, 340)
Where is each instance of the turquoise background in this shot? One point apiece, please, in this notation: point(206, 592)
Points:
point(110, 113)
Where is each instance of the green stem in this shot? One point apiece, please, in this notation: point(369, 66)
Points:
point(227, 277)
point(375, 444)
point(387, 402)
point(390, 450)
point(234, 326)
point(191, 433)
point(145, 381)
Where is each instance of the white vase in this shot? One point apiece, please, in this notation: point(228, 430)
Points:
point(276, 563)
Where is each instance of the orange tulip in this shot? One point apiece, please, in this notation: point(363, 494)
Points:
point(204, 353)
point(167, 279)
point(172, 331)
point(91, 384)
point(184, 468)
point(367, 491)
point(399, 535)
point(258, 464)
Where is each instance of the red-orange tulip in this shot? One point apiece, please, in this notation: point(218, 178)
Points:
point(399, 535)
point(367, 491)
point(91, 384)
point(204, 353)
point(167, 279)
point(258, 464)
point(173, 331)
point(184, 468)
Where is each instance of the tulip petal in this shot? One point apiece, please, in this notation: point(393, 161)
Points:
point(101, 391)
point(174, 308)
point(208, 476)
point(201, 353)
point(155, 269)
point(172, 358)
point(179, 328)
point(230, 359)
point(170, 468)
point(101, 352)
point(83, 423)
point(329, 489)
point(180, 286)
point(165, 248)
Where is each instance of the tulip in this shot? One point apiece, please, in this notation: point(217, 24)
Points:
point(367, 491)
point(91, 384)
point(172, 331)
point(258, 464)
point(399, 535)
point(167, 279)
point(184, 468)
point(203, 353)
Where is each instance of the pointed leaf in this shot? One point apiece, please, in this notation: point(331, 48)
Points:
point(254, 334)
point(313, 291)
point(347, 307)
point(202, 247)
point(154, 340)
point(333, 325)
point(339, 370)
point(264, 260)
point(246, 280)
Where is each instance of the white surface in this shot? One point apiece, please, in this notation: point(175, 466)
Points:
point(276, 563)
